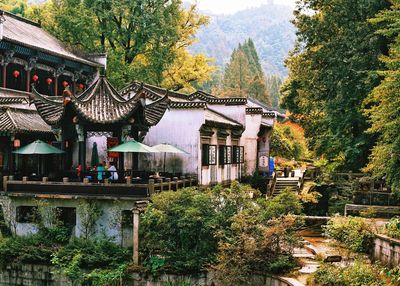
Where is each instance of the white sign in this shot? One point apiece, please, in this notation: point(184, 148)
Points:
point(263, 161)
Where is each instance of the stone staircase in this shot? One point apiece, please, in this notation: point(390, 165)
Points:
point(283, 183)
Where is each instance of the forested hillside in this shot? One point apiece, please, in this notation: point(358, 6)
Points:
point(269, 26)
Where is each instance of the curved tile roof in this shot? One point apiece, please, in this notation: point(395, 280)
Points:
point(22, 121)
point(155, 111)
point(100, 103)
point(50, 108)
point(29, 34)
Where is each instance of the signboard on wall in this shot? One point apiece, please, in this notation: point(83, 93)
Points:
point(111, 142)
point(263, 161)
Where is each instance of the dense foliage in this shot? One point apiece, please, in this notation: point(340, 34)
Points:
point(330, 76)
point(179, 227)
point(392, 228)
point(352, 232)
point(383, 104)
point(244, 75)
point(144, 40)
point(287, 141)
point(227, 230)
point(88, 261)
point(359, 273)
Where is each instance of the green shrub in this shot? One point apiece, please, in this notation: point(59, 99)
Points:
point(353, 232)
point(93, 254)
point(287, 202)
point(392, 228)
point(358, 274)
point(36, 248)
point(179, 226)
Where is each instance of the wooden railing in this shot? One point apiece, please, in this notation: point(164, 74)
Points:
point(87, 188)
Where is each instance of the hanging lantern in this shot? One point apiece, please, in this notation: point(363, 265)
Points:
point(264, 139)
point(258, 139)
point(17, 143)
point(35, 78)
point(65, 83)
point(49, 81)
point(81, 86)
point(16, 73)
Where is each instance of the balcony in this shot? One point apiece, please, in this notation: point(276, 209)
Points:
point(86, 189)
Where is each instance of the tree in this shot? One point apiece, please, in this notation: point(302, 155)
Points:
point(145, 40)
point(244, 75)
point(274, 83)
point(383, 103)
point(330, 76)
point(17, 7)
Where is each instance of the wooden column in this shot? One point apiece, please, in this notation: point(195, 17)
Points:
point(28, 80)
point(4, 75)
point(55, 85)
point(135, 236)
point(82, 154)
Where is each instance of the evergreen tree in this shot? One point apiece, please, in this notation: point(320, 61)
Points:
point(330, 76)
point(244, 75)
point(274, 83)
point(383, 104)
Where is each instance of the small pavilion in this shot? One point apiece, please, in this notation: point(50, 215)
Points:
point(100, 111)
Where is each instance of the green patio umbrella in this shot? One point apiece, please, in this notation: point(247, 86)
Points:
point(38, 148)
point(95, 155)
point(132, 147)
point(168, 148)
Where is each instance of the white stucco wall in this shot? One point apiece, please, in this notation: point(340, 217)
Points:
point(249, 141)
point(178, 127)
point(107, 224)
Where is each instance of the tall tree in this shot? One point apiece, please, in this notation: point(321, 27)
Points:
point(274, 83)
point(383, 104)
point(244, 75)
point(330, 76)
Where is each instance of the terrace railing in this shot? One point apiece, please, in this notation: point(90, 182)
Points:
point(105, 188)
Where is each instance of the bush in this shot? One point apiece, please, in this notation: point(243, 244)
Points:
point(392, 228)
point(358, 274)
point(31, 249)
point(287, 202)
point(103, 257)
point(179, 226)
point(353, 232)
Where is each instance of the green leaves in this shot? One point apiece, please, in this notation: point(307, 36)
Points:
point(331, 74)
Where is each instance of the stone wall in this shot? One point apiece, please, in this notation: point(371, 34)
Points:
point(387, 250)
point(43, 275)
point(31, 275)
point(206, 279)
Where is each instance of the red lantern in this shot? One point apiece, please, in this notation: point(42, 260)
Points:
point(264, 139)
point(16, 73)
point(49, 81)
point(258, 139)
point(35, 78)
point(17, 143)
point(65, 83)
point(81, 86)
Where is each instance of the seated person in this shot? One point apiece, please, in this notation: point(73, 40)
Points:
point(100, 172)
point(113, 171)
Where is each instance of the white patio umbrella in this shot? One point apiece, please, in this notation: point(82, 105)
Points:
point(168, 148)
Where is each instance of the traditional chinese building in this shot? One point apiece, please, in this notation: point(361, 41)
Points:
point(225, 137)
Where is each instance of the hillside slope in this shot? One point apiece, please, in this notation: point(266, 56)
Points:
point(269, 26)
